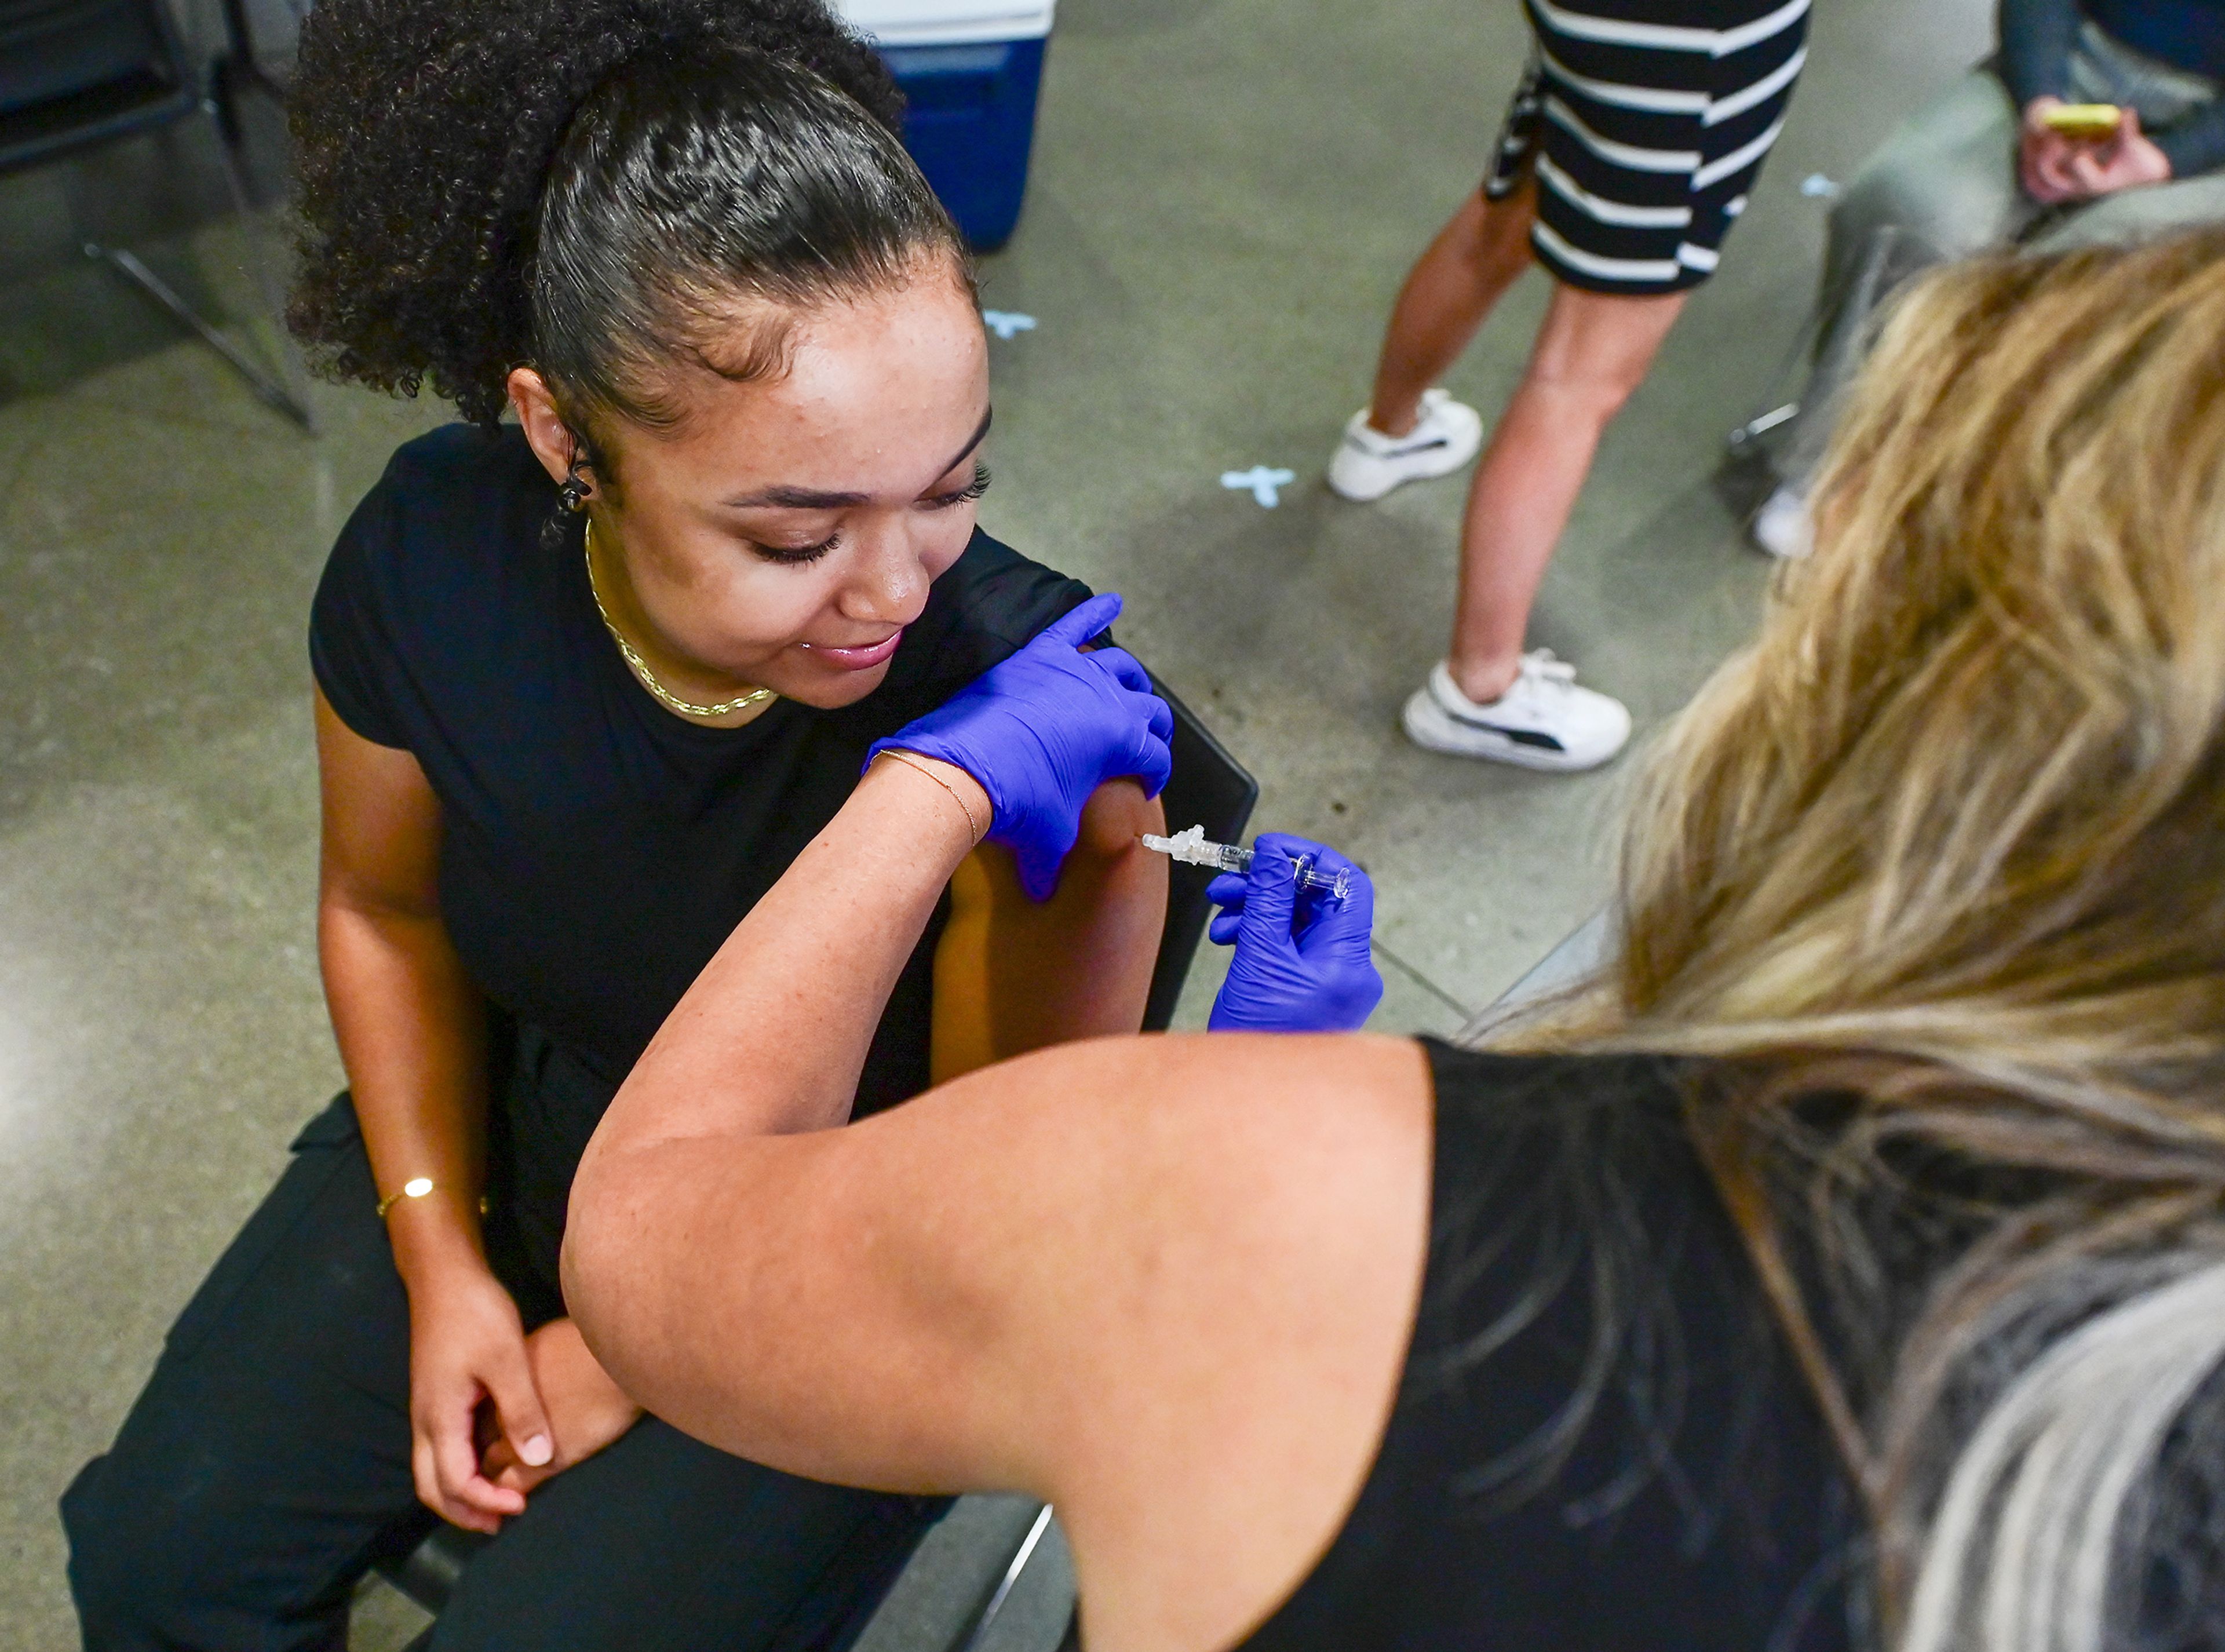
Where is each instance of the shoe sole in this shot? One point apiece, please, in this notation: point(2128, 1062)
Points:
point(1788, 536)
point(1428, 725)
point(1781, 553)
point(1441, 464)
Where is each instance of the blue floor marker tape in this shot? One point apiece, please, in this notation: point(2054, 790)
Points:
point(1262, 484)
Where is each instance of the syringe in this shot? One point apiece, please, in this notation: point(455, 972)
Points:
point(1192, 848)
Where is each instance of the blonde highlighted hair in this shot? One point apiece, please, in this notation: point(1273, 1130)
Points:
point(1936, 869)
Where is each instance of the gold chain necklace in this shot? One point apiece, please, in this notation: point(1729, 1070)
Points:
point(648, 678)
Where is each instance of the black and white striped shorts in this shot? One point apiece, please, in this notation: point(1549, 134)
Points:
point(1645, 122)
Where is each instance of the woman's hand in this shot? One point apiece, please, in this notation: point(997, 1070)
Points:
point(2128, 161)
point(1042, 729)
point(586, 1410)
point(467, 1349)
point(2055, 169)
point(1303, 962)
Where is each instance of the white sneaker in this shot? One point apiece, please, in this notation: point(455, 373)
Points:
point(1782, 527)
point(1368, 464)
point(1543, 720)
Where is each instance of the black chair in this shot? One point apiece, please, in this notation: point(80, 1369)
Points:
point(1209, 789)
point(1212, 789)
point(75, 74)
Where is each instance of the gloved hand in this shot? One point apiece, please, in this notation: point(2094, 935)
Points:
point(1044, 728)
point(1301, 962)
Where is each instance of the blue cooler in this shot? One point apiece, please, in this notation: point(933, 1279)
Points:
point(971, 70)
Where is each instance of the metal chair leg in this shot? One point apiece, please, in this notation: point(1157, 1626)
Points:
point(1004, 1591)
point(1760, 425)
point(290, 398)
point(1741, 440)
point(1869, 277)
point(295, 386)
point(154, 286)
point(239, 69)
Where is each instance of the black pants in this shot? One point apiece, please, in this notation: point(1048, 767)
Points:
point(266, 1467)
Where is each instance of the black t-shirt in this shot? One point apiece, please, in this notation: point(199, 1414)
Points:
point(1698, 1503)
point(597, 849)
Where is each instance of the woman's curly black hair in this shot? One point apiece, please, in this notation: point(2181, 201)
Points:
point(587, 186)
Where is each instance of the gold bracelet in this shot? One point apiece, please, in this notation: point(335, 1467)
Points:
point(913, 763)
point(417, 1187)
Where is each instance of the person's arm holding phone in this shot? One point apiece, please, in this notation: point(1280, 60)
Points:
point(2061, 160)
point(2036, 41)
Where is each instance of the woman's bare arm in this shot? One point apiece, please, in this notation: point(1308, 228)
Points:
point(411, 1027)
point(412, 1034)
point(1013, 975)
point(1166, 1282)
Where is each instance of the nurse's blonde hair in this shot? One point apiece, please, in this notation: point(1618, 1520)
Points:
point(1936, 866)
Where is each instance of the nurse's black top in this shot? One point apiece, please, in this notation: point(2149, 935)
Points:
point(1698, 1505)
point(596, 849)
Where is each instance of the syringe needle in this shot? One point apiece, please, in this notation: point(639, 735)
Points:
point(1192, 848)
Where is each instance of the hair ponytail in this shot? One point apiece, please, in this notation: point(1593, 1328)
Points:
point(594, 190)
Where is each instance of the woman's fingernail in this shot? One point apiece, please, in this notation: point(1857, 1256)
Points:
point(536, 1452)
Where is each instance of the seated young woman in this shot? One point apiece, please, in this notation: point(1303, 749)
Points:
point(587, 684)
point(1846, 1267)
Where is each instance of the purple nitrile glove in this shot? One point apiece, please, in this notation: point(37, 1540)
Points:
point(1044, 728)
point(1301, 962)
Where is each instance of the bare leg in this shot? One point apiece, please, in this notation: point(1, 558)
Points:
point(1593, 351)
point(1473, 260)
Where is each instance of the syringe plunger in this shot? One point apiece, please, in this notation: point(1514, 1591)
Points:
point(1193, 848)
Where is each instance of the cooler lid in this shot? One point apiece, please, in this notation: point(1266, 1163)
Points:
point(947, 23)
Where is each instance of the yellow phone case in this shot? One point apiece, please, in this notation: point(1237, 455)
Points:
point(2084, 122)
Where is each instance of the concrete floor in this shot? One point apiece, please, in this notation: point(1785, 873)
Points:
point(1226, 193)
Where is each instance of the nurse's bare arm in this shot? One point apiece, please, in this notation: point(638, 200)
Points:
point(1013, 975)
point(1165, 1283)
